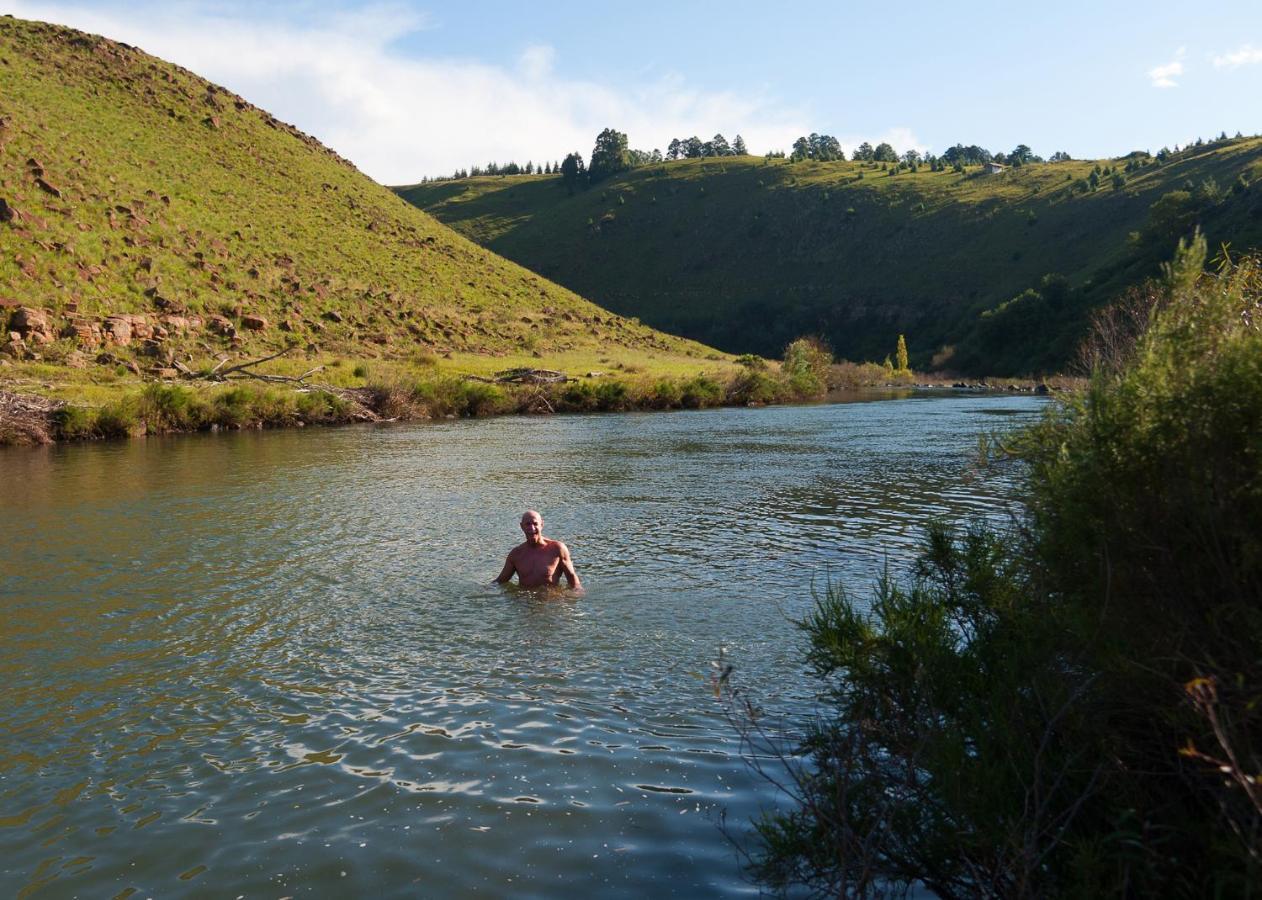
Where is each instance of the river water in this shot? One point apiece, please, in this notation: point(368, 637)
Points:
point(270, 664)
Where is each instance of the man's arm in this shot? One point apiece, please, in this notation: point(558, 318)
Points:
point(567, 569)
point(506, 573)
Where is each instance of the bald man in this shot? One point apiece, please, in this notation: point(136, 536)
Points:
point(538, 561)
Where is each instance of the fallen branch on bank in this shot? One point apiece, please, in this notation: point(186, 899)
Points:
point(523, 376)
point(241, 370)
point(361, 399)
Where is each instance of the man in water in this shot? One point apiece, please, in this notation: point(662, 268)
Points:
point(538, 561)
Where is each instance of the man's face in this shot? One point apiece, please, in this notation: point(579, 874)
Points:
point(532, 527)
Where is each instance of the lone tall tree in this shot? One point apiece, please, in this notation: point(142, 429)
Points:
point(885, 153)
point(572, 171)
point(738, 146)
point(1021, 155)
point(900, 355)
point(718, 146)
point(610, 156)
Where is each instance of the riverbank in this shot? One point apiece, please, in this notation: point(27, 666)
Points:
point(256, 399)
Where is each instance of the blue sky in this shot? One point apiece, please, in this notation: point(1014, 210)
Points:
point(407, 89)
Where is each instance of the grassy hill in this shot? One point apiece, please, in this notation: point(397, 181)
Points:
point(153, 222)
point(745, 253)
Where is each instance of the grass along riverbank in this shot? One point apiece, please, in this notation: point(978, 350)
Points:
point(117, 404)
point(114, 403)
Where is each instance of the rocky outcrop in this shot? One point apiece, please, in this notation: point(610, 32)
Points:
point(86, 332)
point(29, 328)
point(117, 330)
point(13, 346)
point(221, 325)
point(32, 325)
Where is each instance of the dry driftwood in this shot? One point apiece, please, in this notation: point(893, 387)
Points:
point(360, 398)
point(242, 370)
point(26, 418)
point(523, 376)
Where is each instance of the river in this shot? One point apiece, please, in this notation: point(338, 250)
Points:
point(271, 664)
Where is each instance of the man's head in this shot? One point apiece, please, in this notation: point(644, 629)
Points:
point(532, 527)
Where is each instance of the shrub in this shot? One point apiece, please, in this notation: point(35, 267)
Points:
point(847, 375)
point(578, 396)
point(446, 397)
point(1072, 708)
point(699, 392)
point(235, 407)
point(170, 407)
point(805, 367)
point(665, 394)
point(755, 386)
point(432, 398)
point(321, 408)
point(75, 423)
point(478, 399)
point(611, 396)
point(117, 419)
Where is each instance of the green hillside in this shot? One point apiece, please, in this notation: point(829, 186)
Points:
point(152, 222)
point(745, 253)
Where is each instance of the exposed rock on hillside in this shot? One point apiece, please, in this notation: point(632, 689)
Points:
point(151, 214)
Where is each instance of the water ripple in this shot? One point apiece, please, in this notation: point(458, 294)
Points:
point(265, 663)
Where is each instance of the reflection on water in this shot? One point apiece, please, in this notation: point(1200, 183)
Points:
point(273, 663)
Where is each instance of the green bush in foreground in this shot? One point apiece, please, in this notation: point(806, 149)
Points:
point(1071, 709)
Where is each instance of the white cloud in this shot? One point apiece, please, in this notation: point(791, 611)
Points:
point(900, 138)
point(342, 78)
point(1163, 76)
point(536, 61)
point(1247, 55)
